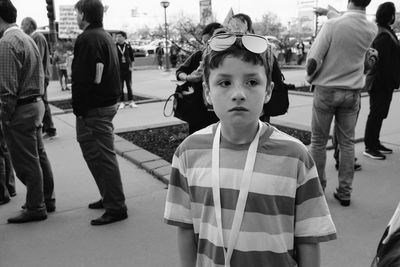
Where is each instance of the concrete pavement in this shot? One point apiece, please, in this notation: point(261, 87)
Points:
point(67, 239)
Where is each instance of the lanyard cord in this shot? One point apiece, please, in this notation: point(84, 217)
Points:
point(244, 190)
point(121, 50)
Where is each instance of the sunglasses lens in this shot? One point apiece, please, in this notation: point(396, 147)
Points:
point(254, 43)
point(222, 42)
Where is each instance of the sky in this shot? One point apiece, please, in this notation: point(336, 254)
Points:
point(151, 13)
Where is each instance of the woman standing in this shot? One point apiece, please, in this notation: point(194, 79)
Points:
point(382, 80)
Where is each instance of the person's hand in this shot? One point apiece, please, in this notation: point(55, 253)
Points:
point(194, 77)
point(320, 11)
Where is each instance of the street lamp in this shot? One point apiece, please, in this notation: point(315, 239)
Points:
point(165, 4)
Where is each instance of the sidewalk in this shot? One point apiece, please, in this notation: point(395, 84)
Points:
point(67, 239)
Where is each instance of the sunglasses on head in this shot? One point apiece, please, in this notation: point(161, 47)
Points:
point(252, 42)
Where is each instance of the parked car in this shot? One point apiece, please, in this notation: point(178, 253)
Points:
point(150, 48)
point(138, 52)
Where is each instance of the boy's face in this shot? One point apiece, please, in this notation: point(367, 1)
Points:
point(237, 90)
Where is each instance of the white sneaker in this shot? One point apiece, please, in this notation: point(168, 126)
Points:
point(132, 105)
point(121, 106)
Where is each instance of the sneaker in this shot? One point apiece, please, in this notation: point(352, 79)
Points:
point(384, 150)
point(132, 105)
point(121, 106)
point(374, 154)
point(49, 136)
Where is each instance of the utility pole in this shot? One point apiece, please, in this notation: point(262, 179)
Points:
point(52, 24)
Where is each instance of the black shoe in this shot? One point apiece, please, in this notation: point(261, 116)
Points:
point(374, 154)
point(108, 218)
point(384, 150)
point(343, 202)
point(28, 216)
point(96, 205)
point(4, 201)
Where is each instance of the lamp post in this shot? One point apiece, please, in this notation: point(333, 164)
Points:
point(165, 4)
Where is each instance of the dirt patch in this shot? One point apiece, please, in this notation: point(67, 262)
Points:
point(163, 141)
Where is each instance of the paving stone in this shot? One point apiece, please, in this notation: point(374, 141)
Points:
point(162, 171)
point(140, 156)
point(151, 165)
point(121, 147)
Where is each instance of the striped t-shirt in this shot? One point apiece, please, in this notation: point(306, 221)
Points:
point(285, 204)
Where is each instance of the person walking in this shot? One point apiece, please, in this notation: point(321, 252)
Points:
point(382, 80)
point(335, 67)
point(126, 59)
point(29, 26)
point(22, 110)
point(159, 55)
point(96, 88)
point(60, 59)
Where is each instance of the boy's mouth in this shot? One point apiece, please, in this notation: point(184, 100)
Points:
point(238, 109)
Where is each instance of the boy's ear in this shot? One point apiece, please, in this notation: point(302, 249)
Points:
point(268, 92)
point(207, 93)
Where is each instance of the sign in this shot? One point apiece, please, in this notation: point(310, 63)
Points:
point(67, 26)
point(205, 12)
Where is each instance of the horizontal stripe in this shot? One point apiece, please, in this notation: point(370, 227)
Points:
point(178, 180)
point(317, 226)
point(252, 222)
point(264, 204)
point(179, 224)
point(249, 241)
point(314, 239)
point(311, 189)
point(242, 259)
point(305, 174)
point(178, 196)
point(261, 183)
point(177, 213)
point(314, 207)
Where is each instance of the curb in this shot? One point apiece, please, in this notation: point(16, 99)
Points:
point(150, 162)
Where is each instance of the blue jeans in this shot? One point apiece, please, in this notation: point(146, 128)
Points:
point(344, 106)
point(95, 136)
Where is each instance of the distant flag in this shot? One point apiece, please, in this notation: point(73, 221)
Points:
point(228, 17)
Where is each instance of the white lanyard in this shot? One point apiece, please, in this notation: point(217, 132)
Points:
point(244, 190)
point(121, 50)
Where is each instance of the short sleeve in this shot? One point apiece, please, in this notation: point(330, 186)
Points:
point(313, 221)
point(177, 206)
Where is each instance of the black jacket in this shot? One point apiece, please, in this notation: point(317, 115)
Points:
point(92, 46)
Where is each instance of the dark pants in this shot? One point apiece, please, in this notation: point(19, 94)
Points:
point(7, 179)
point(126, 76)
point(24, 140)
point(48, 125)
point(95, 136)
point(63, 73)
point(379, 104)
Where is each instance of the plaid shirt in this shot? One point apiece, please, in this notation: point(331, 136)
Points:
point(21, 70)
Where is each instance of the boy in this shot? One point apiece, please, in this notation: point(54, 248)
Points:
point(259, 195)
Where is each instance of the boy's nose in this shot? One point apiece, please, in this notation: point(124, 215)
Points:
point(238, 95)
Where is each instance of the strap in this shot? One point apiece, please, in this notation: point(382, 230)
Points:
point(244, 190)
point(165, 106)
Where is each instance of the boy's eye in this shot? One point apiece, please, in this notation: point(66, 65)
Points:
point(224, 83)
point(252, 82)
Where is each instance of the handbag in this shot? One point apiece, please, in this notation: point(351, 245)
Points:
point(279, 102)
point(182, 100)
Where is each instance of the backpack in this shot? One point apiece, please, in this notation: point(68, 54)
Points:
point(279, 102)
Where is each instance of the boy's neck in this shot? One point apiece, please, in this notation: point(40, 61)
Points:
point(239, 135)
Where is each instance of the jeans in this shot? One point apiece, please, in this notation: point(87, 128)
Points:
point(379, 104)
point(24, 140)
point(95, 136)
point(126, 76)
point(344, 106)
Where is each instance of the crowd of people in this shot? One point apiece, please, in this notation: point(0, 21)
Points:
point(241, 192)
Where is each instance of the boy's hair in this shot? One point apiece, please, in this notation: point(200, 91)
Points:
point(8, 12)
point(93, 10)
point(360, 3)
point(384, 14)
point(122, 33)
point(213, 59)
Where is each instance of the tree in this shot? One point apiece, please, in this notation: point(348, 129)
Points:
point(269, 25)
